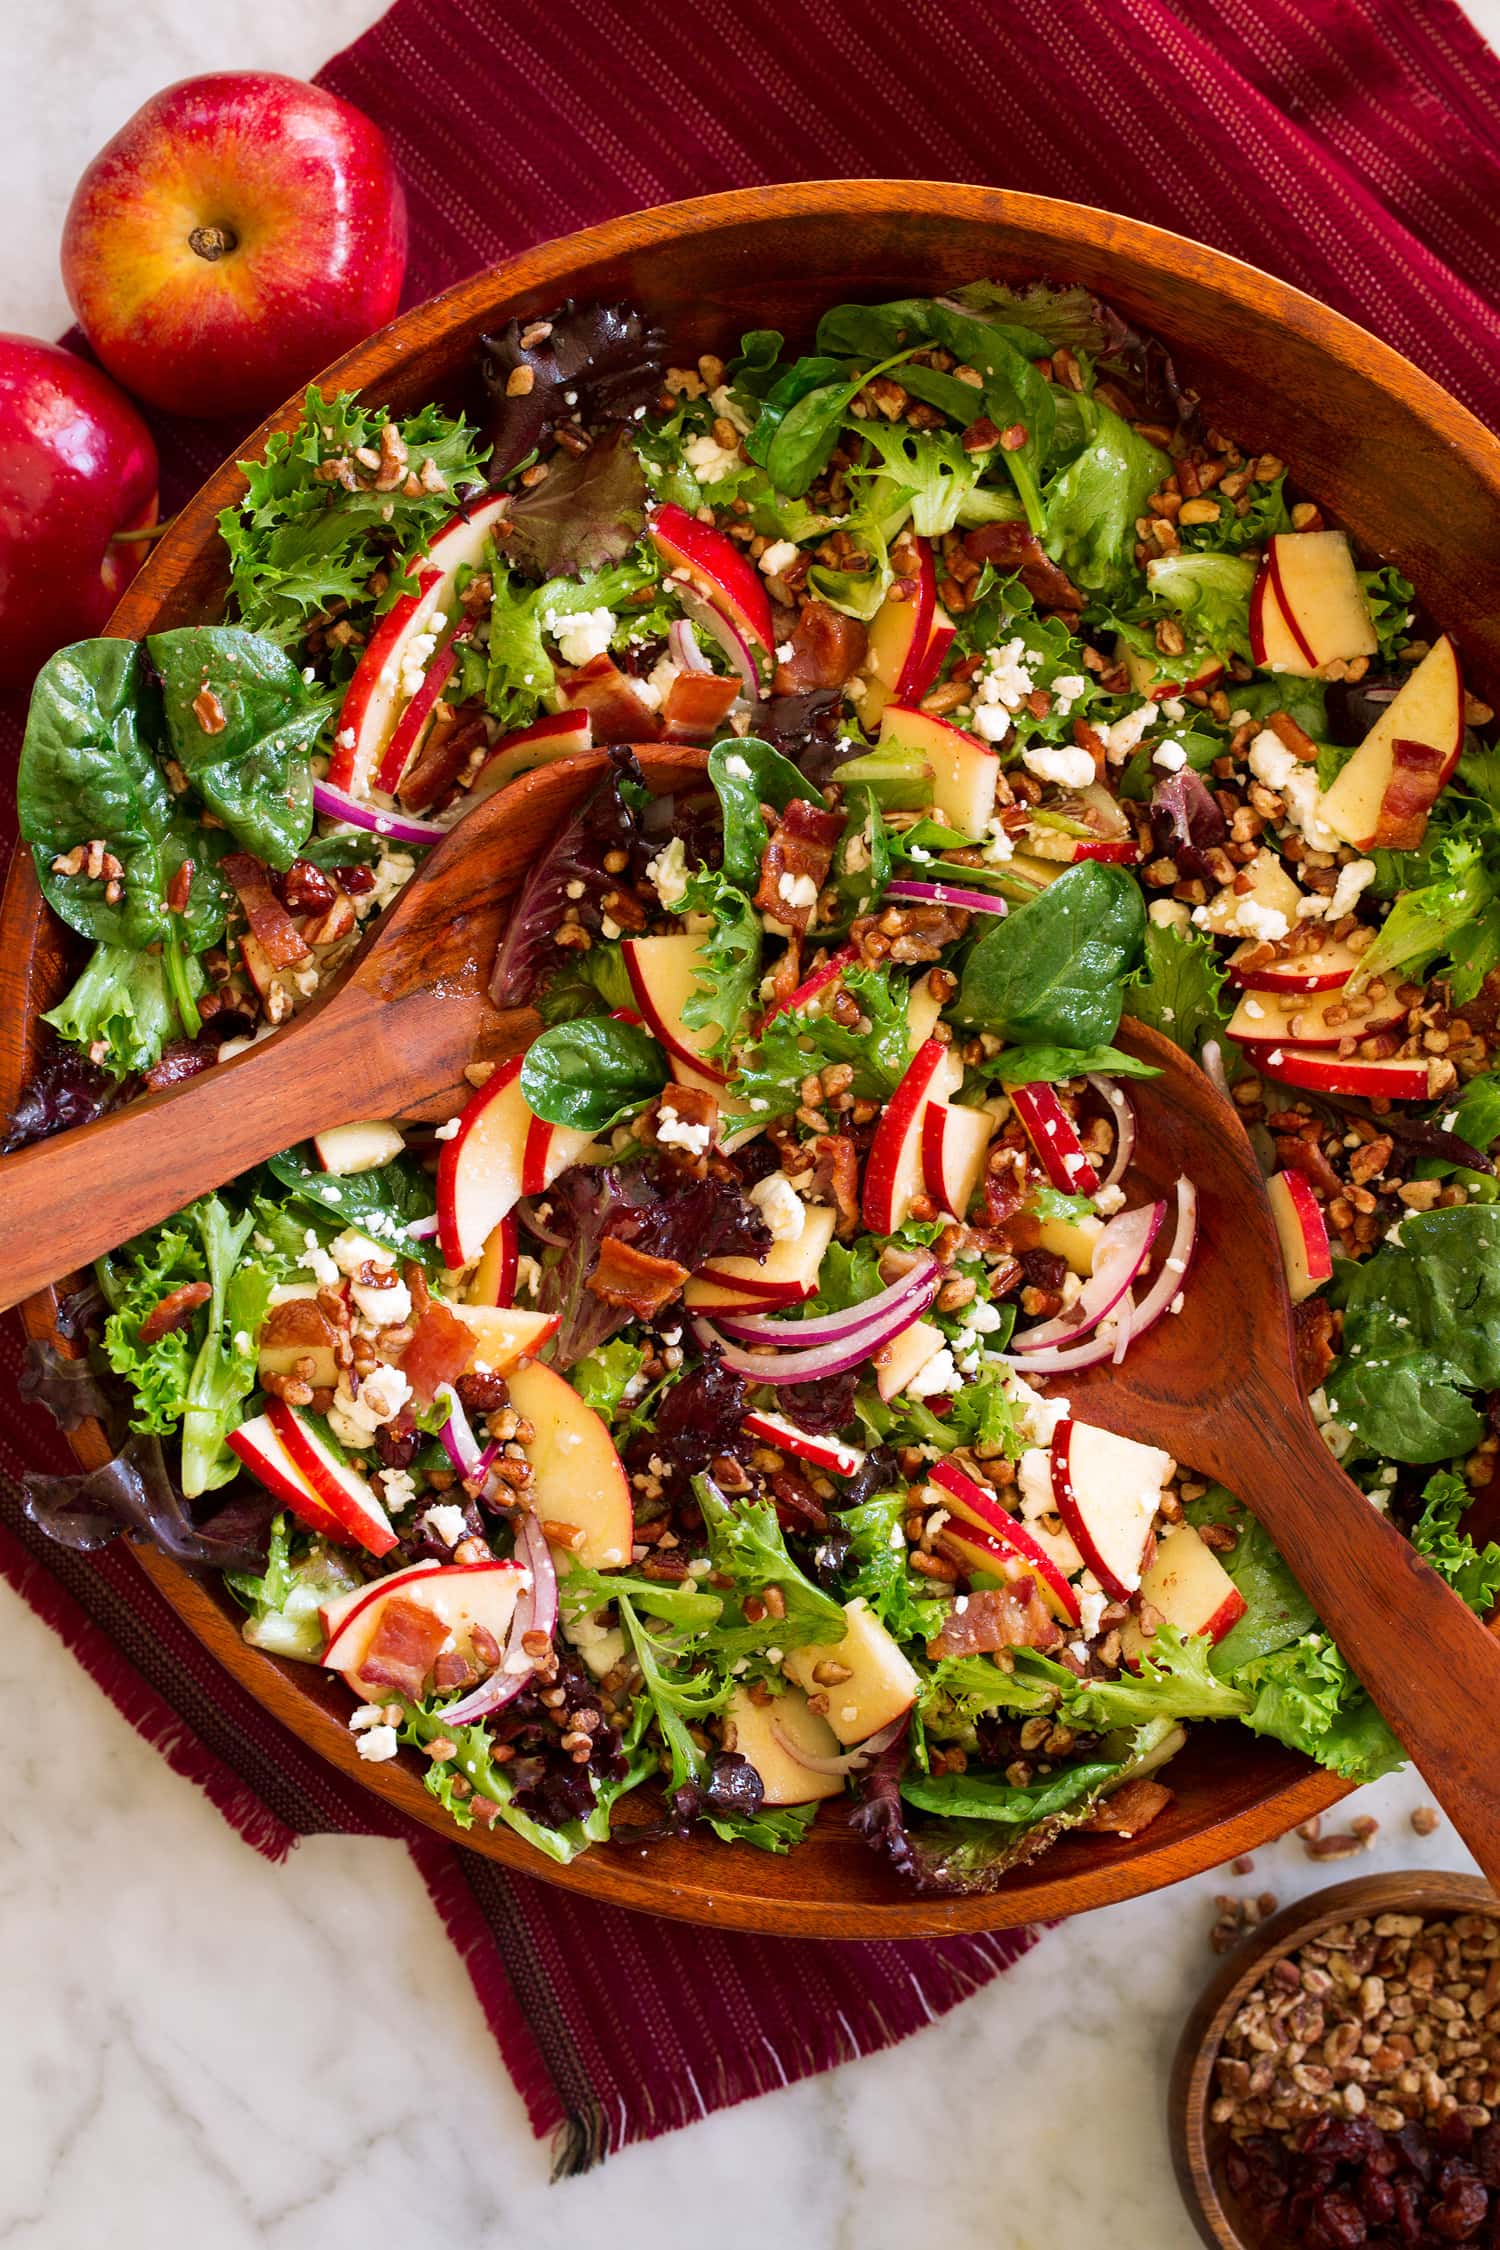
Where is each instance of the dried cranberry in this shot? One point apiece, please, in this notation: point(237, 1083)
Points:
point(733, 1785)
point(355, 880)
point(1407, 2196)
point(304, 889)
point(1336, 2222)
point(1377, 2198)
point(482, 1393)
point(396, 1442)
point(1460, 2215)
point(1044, 1269)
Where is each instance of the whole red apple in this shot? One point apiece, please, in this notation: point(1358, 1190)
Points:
point(238, 233)
point(77, 466)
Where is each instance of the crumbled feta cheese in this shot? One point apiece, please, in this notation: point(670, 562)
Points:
point(1169, 756)
point(1066, 689)
point(398, 1489)
point(934, 1376)
point(583, 637)
point(446, 1523)
point(983, 1317)
point(991, 722)
point(673, 1131)
point(655, 689)
point(448, 1131)
point(1071, 768)
point(318, 1262)
point(779, 556)
point(608, 927)
point(1303, 809)
point(1034, 1482)
point(345, 738)
point(724, 402)
point(382, 1308)
point(669, 872)
point(1121, 738)
point(709, 461)
point(1352, 880)
point(1039, 1416)
point(377, 1744)
point(1168, 913)
point(1335, 1435)
point(1173, 710)
point(780, 1206)
point(1270, 760)
point(367, 1715)
point(1247, 918)
point(998, 845)
point(352, 1250)
point(1092, 1603)
point(783, 652)
point(797, 891)
point(355, 1417)
point(1005, 679)
point(1109, 1200)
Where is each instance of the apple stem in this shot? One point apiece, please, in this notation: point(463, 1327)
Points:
point(213, 242)
point(146, 531)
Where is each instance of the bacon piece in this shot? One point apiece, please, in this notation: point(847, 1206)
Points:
point(627, 1276)
point(691, 1105)
point(441, 1348)
point(619, 712)
point(174, 1310)
point(1298, 1154)
point(696, 704)
point(1314, 1323)
point(798, 1507)
point(996, 1617)
point(271, 926)
point(800, 850)
point(1417, 771)
point(1012, 548)
point(299, 1324)
point(449, 747)
point(826, 647)
point(403, 1648)
point(1131, 1808)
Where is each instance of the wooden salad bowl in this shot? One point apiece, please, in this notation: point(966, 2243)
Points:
point(1413, 475)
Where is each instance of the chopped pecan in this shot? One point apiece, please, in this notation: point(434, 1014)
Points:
point(835, 1179)
point(174, 1310)
point(1315, 1323)
point(1012, 548)
point(270, 924)
point(826, 648)
point(452, 741)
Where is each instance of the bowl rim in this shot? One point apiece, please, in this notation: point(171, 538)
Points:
point(1111, 1872)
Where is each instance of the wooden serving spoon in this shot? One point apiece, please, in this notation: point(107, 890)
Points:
point(1215, 1383)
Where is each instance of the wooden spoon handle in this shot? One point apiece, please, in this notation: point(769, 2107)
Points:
point(65, 1201)
point(1428, 1662)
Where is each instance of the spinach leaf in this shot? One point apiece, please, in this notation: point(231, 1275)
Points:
point(592, 1073)
point(747, 774)
point(799, 381)
point(1092, 504)
point(1053, 972)
point(818, 394)
point(988, 1796)
point(1031, 1066)
point(862, 858)
point(1179, 989)
point(122, 998)
point(380, 1203)
point(253, 768)
point(1421, 1332)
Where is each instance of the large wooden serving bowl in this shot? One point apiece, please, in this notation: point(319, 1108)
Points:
point(1414, 476)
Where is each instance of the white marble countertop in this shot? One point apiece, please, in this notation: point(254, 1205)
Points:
point(199, 2047)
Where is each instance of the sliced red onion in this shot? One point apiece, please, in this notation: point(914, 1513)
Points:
point(852, 1761)
point(947, 894)
point(1119, 1254)
point(543, 1577)
point(397, 826)
point(459, 1442)
point(1213, 1067)
point(793, 1367)
point(527, 1214)
point(535, 1612)
point(423, 1230)
point(683, 643)
point(722, 629)
point(893, 1306)
point(1104, 1343)
point(1122, 1327)
point(1124, 1117)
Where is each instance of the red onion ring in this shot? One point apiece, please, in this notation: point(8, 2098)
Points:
point(1124, 1116)
point(722, 629)
point(459, 1442)
point(683, 643)
point(852, 1761)
point(1213, 1066)
point(423, 1230)
point(840, 1327)
point(396, 826)
point(1119, 1255)
point(535, 1612)
point(947, 894)
point(793, 1367)
point(1140, 1316)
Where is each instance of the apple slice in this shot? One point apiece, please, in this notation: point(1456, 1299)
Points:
point(881, 1685)
point(976, 1504)
point(1399, 1078)
point(787, 1275)
point(1303, 1233)
point(1108, 1490)
point(1273, 644)
point(559, 734)
point(1149, 675)
point(463, 1596)
point(344, 1492)
point(964, 769)
point(505, 1334)
point(1269, 889)
point(1072, 1240)
point(1304, 1018)
point(901, 631)
point(494, 1281)
point(893, 1168)
point(1189, 1586)
point(718, 570)
point(344, 1149)
point(814, 990)
point(1054, 1136)
point(1320, 970)
point(905, 1355)
point(550, 1149)
point(297, 1338)
point(412, 724)
point(376, 694)
point(828, 1453)
point(578, 1478)
point(481, 1166)
point(1320, 597)
point(752, 1729)
point(258, 1444)
point(664, 975)
point(955, 1143)
point(1428, 711)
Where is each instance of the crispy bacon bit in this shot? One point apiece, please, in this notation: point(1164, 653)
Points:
point(447, 749)
point(174, 1310)
point(1131, 1808)
point(1315, 1323)
point(619, 712)
point(1011, 547)
point(1085, 738)
point(441, 1348)
point(826, 648)
point(1417, 771)
point(627, 1276)
point(691, 1105)
point(835, 1179)
point(800, 851)
point(180, 889)
point(1299, 1154)
point(403, 1648)
point(271, 926)
point(798, 1507)
point(1009, 1616)
point(697, 703)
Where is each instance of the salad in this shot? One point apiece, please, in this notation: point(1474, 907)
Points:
point(678, 1437)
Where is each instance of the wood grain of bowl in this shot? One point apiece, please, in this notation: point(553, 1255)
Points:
point(1198, 2145)
point(1414, 476)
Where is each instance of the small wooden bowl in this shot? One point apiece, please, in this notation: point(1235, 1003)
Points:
point(1199, 2147)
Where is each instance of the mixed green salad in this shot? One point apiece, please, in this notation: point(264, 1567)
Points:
point(684, 1424)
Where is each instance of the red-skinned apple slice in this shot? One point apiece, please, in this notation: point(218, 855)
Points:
point(1273, 644)
point(480, 1168)
point(1320, 597)
point(965, 770)
point(817, 985)
point(924, 669)
point(1321, 970)
point(880, 1685)
point(906, 1354)
point(258, 1444)
point(375, 695)
point(560, 734)
point(1189, 1588)
point(722, 573)
point(901, 633)
point(665, 973)
point(1399, 1078)
point(955, 1143)
point(786, 1276)
point(1310, 1019)
point(549, 1149)
point(828, 1453)
point(1054, 1136)
point(1107, 1490)
point(344, 1492)
point(409, 728)
point(975, 1504)
point(1303, 1233)
point(577, 1476)
point(504, 1335)
point(494, 1281)
point(462, 1596)
point(893, 1168)
point(1428, 709)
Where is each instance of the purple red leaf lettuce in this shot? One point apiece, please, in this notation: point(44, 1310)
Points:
point(1187, 821)
point(587, 363)
point(603, 823)
point(135, 1492)
point(586, 513)
point(66, 1089)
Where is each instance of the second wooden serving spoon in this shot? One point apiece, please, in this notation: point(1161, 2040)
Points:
point(1215, 1383)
